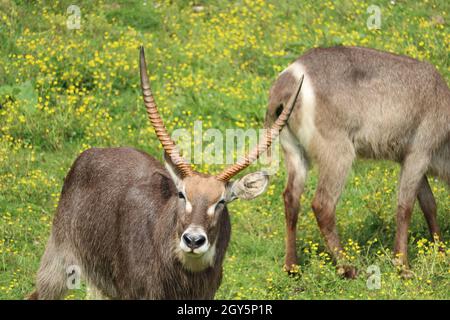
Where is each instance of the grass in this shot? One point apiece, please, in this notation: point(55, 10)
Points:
point(63, 91)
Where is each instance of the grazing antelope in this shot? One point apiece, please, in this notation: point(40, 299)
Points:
point(362, 102)
point(139, 231)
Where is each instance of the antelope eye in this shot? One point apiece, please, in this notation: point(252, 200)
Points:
point(221, 202)
point(181, 195)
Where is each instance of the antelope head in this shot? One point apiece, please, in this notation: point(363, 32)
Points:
point(202, 198)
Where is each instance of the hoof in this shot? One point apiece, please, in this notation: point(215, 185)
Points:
point(406, 274)
point(403, 269)
point(398, 262)
point(347, 272)
point(292, 270)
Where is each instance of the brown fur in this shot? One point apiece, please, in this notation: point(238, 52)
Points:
point(370, 104)
point(119, 219)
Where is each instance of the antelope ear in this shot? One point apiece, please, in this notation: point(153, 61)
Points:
point(173, 171)
point(248, 187)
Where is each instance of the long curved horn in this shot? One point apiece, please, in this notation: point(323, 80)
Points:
point(271, 134)
point(169, 146)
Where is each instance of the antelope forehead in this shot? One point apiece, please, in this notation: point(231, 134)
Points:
point(205, 190)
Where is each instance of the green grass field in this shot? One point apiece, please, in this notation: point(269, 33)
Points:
point(64, 90)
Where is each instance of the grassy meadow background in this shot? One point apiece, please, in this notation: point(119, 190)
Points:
point(63, 91)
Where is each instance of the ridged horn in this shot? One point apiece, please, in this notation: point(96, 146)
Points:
point(167, 143)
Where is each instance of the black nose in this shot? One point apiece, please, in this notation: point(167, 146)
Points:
point(194, 241)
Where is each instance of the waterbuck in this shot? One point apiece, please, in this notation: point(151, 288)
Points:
point(362, 102)
point(137, 230)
